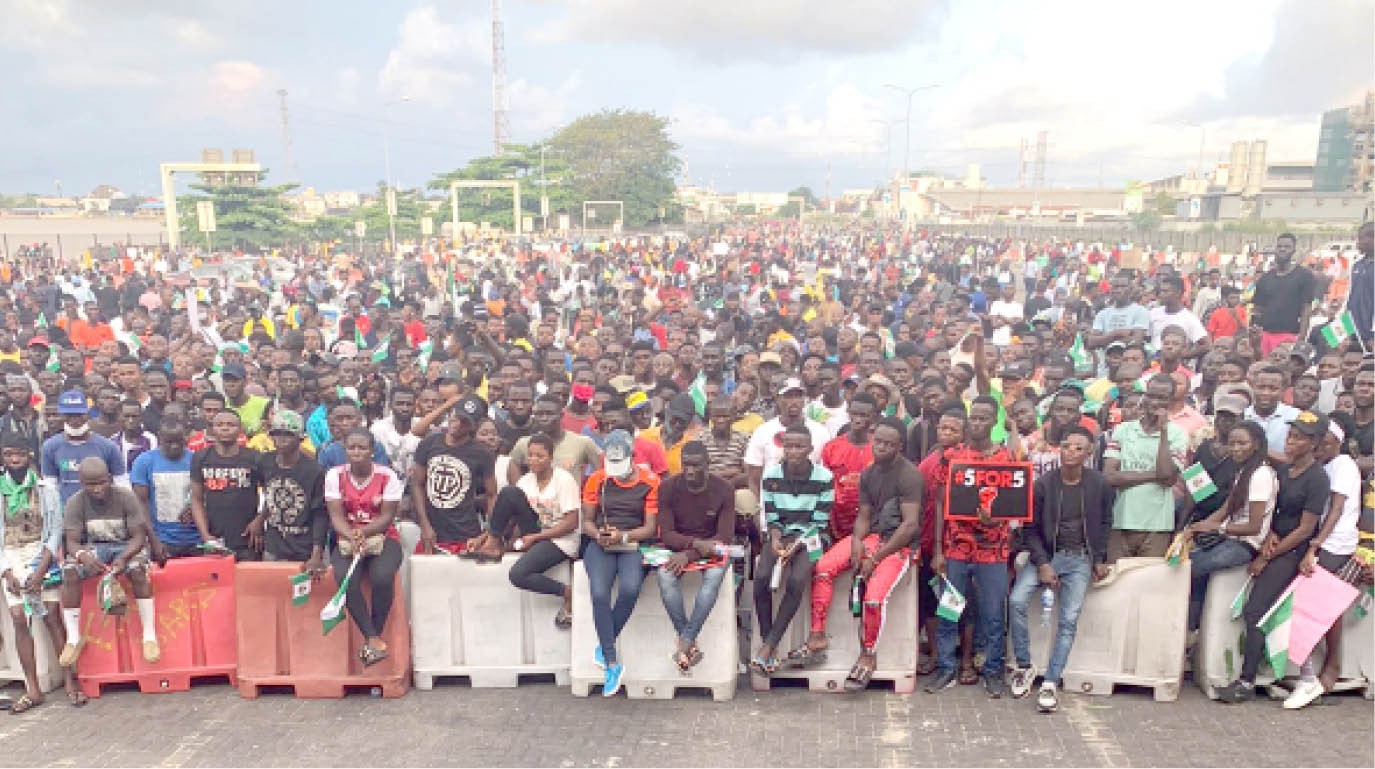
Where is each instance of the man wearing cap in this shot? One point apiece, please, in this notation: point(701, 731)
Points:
point(61, 454)
point(451, 470)
point(250, 408)
point(162, 482)
point(293, 522)
point(766, 446)
point(680, 426)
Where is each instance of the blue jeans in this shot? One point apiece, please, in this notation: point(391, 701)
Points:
point(1226, 554)
point(1075, 571)
point(991, 579)
point(603, 568)
point(671, 592)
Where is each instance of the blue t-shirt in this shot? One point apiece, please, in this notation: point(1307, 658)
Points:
point(61, 457)
point(169, 495)
point(334, 454)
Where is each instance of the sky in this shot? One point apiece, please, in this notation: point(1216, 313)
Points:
point(762, 95)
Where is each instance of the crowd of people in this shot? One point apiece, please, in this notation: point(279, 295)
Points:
point(778, 403)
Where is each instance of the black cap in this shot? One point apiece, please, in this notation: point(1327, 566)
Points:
point(233, 371)
point(471, 407)
point(1309, 423)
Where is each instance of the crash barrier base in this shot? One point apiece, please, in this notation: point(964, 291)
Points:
point(281, 644)
point(897, 644)
point(1221, 640)
point(45, 659)
point(469, 621)
point(647, 643)
point(1131, 631)
point(193, 603)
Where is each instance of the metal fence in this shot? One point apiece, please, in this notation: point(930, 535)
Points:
point(1227, 242)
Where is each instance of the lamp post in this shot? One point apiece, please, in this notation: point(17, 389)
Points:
point(907, 153)
point(390, 197)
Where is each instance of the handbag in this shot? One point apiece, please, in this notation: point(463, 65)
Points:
point(372, 545)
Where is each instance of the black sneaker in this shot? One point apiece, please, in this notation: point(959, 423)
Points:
point(1022, 677)
point(941, 680)
point(1236, 692)
point(994, 687)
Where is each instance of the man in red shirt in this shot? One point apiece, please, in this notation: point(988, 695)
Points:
point(935, 472)
point(1230, 318)
point(846, 456)
point(977, 552)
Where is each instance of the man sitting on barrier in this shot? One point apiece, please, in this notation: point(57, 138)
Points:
point(796, 496)
point(543, 505)
point(362, 497)
point(451, 469)
point(105, 535)
point(880, 549)
point(620, 509)
point(1068, 543)
point(697, 522)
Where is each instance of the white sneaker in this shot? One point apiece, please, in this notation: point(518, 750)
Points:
point(1304, 694)
point(1020, 680)
point(1046, 699)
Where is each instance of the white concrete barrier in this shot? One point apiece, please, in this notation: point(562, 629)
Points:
point(408, 534)
point(1131, 631)
point(897, 644)
point(647, 643)
point(49, 672)
point(1221, 641)
point(467, 619)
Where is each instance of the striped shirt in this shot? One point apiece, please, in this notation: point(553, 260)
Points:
point(728, 454)
point(794, 505)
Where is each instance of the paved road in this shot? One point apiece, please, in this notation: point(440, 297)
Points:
point(540, 725)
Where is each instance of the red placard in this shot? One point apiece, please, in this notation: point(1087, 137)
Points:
point(1004, 488)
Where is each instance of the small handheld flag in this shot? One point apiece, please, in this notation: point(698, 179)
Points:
point(1339, 329)
point(1198, 482)
point(333, 613)
point(952, 601)
point(300, 589)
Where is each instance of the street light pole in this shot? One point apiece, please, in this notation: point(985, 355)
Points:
point(389, 198)
point(907, 153)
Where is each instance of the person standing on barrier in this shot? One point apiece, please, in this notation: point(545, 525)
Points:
point(225, 482)
point(974, 552)
point(1142, 461)
point(796, 497)
point(1303, 496)
point(1235, 532)
point(543, 506)
point(1068, 543)
point(362, 497)
point(293, 524)
point(879, 549)
point(451, 470)
point(697, 522)
point(620, 509)
point(104, 534)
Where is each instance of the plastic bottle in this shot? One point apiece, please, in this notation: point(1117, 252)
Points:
point(730, 551)
point(1047, 605)
point(857, 596)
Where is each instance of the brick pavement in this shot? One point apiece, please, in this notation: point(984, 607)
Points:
point(540, 725)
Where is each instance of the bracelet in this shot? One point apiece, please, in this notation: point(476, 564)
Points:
point(625, 538)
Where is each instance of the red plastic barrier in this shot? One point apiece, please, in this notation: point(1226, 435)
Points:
point(281, 645)
point(193, 600)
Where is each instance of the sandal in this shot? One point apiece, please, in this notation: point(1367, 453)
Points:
point(926, 666)
point(695, 655)
point(805, 656)
point(371, 656)
point(78, 698)
point(968, 675)
point(858, 679)
point(764, 667)
point(22, 704)
point(564, 619)
point(684, 662)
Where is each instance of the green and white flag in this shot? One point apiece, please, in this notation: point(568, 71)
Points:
point(333, 613)
point(1082, 358)
point(952, 601)
point(380, 354)
point(300, 589)
point(811, 540)
point(1363, 604)
point(1339, 329)
point(653, 555)
point(358, 338)
point(1198, 482)
point(1239, 603)
point(53, 363)
point(699, 394)
point(1275, 625)
point(423, 359)
point(42, 321)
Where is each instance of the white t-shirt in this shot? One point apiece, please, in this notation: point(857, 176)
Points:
point(1264, 488)
point(766, 447)
point(1345, 478)
point(1185, 319)
point(558, 497)
point(833, 419)
point(1010, 310)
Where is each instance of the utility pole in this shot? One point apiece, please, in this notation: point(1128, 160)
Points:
point(907, 153)
point(287, 161)
point(501, 121)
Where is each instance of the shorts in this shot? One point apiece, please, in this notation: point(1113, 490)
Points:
point(105, 553)
point(30, 554)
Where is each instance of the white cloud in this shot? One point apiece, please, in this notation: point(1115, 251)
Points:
point(433, 60)
point(846, 123)
point(537, 110)
point(346, 86)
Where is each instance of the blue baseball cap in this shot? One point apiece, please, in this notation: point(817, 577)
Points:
point(72, 402)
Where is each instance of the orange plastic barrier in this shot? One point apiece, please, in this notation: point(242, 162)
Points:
point(281, 645)
point(193, 600)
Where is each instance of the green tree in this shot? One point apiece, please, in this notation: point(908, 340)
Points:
point(1145, 221)
point(621, 155)
point(805, 193)
point(410, 207)
point(247, 217)
point(521, 163)
point(1164, 203)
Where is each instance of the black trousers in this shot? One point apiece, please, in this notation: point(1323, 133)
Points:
point(381, 571)
point(528, 572)
point(797, 577)
point(1266, 587)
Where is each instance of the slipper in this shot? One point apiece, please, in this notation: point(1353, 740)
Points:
point(858, 679)
point(78, 698)
point(371, 656)
point(764, 667)
point(968, 676)
point(926, 667)
point(22, 704)
point(683, 661)
point(695, 655)
point(805, 656)
point(563, 620)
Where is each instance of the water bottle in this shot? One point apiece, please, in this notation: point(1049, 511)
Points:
point(776, 578)
point(1047, 605)
point(729, 551)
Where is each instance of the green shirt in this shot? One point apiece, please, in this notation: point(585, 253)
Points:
point(1145, 506)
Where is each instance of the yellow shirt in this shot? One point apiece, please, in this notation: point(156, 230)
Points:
point(747, 423)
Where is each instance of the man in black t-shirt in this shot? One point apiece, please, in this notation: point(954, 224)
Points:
point(293, 523)
point(1283, 298)
point(450, 470)
point(225, 480)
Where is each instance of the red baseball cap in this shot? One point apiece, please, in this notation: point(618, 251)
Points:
point(39, 341)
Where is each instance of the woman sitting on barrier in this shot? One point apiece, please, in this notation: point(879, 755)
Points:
point(544, 507)
point(1233, 535)
point(362, 499)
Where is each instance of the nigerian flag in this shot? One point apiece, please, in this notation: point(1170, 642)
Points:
point(380, 354)
point(358, 337)
point(952, 601)
point(42, 321)
point(423, 359)
point(333, 613)
point(1239, 603)
point(1275, 625)
point(1198, 482)
point(1078, 355)
point(699, 394)
point(300, 589)
point(811, 540)
point(53, 363)
point(1339, 329)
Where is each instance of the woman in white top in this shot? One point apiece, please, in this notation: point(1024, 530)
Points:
point(1232, 535)
point(1331, 548)
point(543, 506)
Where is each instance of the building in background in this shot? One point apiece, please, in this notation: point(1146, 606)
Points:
point(1346, 148)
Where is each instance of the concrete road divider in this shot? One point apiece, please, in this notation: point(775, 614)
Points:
point(467, 619)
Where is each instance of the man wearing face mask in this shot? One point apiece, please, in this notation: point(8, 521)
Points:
point(61, 454)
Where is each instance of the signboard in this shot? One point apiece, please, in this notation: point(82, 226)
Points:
point(205, 215)
point(563, 222)
point(1001, 488)
point(527, 223)
point(360, 228)
point(427, 226)
point(1132, 259)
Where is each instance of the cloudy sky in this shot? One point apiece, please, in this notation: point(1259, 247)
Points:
point(763, 94)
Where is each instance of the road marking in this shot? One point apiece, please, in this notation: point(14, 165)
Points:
point(1096, 735)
